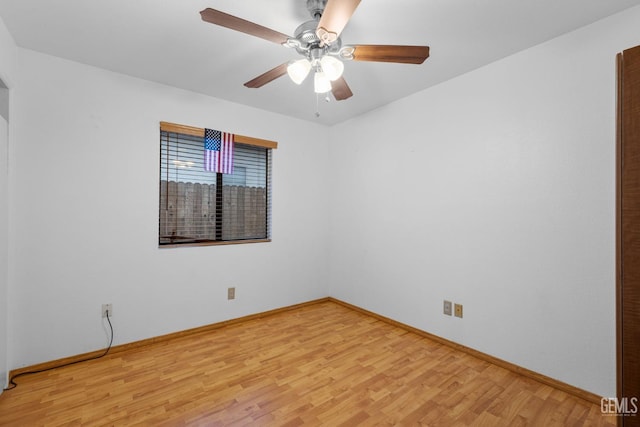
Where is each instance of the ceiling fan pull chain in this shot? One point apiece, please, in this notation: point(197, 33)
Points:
point(317, 105)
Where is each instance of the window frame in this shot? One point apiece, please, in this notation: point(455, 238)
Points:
point(240, 139)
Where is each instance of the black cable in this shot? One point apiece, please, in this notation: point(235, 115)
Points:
point(13, 385)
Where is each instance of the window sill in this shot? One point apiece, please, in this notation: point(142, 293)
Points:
point(212, 243)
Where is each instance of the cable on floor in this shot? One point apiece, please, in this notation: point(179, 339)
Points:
point(13, 385)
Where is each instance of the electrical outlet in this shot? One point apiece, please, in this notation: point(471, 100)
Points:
point(231, 293)
point(457, 308)
point(446, 308)
point(107, 310)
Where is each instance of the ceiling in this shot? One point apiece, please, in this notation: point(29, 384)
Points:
point(167, 42)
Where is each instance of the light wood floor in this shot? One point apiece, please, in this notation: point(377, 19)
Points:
point(323, 364)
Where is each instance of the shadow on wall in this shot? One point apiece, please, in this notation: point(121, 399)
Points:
point(4, 101)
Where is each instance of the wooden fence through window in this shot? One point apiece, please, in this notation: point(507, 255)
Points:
point(188, 212)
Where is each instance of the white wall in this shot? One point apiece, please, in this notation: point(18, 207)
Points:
point(85, 196)
point(495, 190)
point(7, 64)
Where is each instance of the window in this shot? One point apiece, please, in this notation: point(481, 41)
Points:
point(200, 207)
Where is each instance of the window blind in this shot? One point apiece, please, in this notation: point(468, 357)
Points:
point(203, 207)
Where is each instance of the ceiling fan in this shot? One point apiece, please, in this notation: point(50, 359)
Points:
point(318, 41)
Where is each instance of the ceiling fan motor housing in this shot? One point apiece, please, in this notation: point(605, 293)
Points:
point(308, 39)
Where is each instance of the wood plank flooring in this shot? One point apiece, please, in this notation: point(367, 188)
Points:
point(322, 364)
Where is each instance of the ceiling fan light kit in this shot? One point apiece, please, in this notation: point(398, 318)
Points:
point(327, 70)
point(298, 70)
point(321, 83)
point(318, 41)
point(332, 67)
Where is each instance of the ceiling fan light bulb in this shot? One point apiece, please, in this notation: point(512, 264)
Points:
point(332, 67)
point(298, 70)
point(321, 83)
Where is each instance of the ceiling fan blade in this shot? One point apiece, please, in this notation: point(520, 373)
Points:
point(267, 77)
point(334, 18)
point(340, 89)
point(390, 53)
point(229, 21)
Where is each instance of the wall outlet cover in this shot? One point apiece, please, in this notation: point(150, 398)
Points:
point(446, 308)
point(107, 308)
point(457, 309)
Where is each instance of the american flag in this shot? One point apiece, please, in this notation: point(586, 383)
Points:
point(218, 151)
